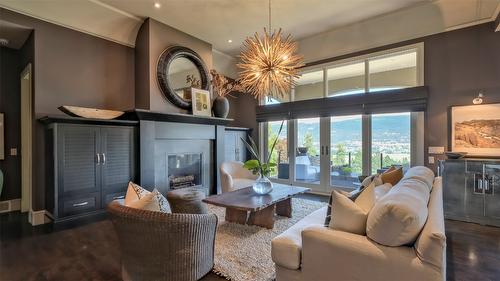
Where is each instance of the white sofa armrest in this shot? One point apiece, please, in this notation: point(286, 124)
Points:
point(328, 253)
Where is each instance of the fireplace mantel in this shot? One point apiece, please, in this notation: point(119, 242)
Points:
point(147, 115)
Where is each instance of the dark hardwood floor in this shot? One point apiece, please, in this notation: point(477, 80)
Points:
point(88, 250)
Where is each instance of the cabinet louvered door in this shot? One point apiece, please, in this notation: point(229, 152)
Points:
point(78, 171)
point(118, 158)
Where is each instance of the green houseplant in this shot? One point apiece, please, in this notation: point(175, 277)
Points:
point(261, 168)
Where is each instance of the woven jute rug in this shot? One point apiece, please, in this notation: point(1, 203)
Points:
point(243, 252)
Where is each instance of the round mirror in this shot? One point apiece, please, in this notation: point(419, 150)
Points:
point(180, 69)
point(182, 76)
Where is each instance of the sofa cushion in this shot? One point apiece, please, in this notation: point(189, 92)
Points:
point(398, 218)
point(286, 248)
point(347, 215)
point(431, 244)
point(421, 173)
point(392, 176)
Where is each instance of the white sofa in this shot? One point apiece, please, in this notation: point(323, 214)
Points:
point(309, 251)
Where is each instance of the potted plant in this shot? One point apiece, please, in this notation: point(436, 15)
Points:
point(263, 169)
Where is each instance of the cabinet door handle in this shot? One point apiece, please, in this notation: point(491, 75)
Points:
point(103, 159)
point(98, 158)
point(118, 197)
point(81, 204)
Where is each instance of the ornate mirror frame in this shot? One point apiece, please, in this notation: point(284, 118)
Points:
point(164, 61)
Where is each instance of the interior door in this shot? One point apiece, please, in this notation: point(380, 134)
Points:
point(491, 185)
point(118, 158)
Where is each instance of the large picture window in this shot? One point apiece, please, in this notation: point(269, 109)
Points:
point(333, 152)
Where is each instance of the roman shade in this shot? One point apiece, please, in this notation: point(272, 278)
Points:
point(391, 101)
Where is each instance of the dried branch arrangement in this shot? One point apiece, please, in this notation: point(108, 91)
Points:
point(223, 86)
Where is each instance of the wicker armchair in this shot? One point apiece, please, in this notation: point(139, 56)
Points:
point(160, 246)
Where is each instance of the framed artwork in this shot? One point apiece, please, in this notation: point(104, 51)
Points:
point(475, 129)
point(201, 102)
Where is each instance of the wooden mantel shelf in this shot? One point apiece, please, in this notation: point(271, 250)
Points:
point(141, 114)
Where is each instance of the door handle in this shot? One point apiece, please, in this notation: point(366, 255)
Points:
point(322, 150)
point(104, 159)
point(81, 204)
point(98, 158)
point(326, 149)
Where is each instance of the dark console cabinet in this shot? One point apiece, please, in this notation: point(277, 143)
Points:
point(91, 165)
point(472, 190)
point(234, 148)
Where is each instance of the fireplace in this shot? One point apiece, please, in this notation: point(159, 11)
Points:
point(184, 170)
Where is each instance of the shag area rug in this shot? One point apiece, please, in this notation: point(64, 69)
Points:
point(243, 252)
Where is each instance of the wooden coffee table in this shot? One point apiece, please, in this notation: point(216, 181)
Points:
point(244, 206)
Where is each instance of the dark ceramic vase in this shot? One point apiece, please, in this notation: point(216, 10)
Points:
point(220, 107)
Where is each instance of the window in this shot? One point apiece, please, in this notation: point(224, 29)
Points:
point(307, 154)
point(393, 71)
point(332, 152)
point(346, 79)
point(390, 140)
point(309, 86)
point(280, 152)
point(346, 150)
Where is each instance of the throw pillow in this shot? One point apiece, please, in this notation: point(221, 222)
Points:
point(371, 194)
point(346, 215)
point(134, 193)
point(392, 177)
point(398, 217)
point(153, 201)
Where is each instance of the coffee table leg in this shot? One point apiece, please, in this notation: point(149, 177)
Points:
point(264, 217)
point(284, 208)
point(237, 216)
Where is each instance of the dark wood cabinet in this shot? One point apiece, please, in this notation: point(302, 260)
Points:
point(471, 190)
point(234, 148)
point(92, 165)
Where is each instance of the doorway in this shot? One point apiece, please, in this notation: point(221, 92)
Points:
point(26, 138)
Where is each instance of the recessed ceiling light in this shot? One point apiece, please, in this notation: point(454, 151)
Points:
point(157, 5)
point(229, 41)
point(4, 42)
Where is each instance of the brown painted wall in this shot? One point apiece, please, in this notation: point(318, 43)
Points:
point(10, 69)
point(72, 68)
point(242, 110)
point(153, 38)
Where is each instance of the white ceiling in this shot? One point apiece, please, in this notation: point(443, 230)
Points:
point(216, 21)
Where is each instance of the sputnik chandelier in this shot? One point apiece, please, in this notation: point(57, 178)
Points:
point(269, 63)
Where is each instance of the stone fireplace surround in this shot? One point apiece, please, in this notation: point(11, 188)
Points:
point(163, 134)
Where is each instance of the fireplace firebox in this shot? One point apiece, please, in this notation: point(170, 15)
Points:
point(184, 170)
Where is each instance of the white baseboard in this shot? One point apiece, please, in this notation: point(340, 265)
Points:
point(38, 217)
point(10, 205)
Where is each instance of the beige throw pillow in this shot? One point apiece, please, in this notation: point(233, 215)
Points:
point(346, 215)
point(140, 198)
point(371, 194)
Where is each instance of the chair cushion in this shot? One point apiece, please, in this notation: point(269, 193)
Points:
point(398, 217)
point(347, 215)
point(239, 183)
point(287, 247)
point(187, 201)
